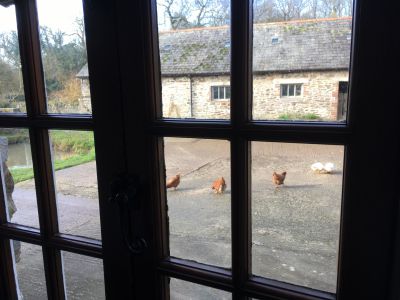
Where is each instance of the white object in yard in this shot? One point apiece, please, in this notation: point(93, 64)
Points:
point(329, 167)
point(317, 167)
point(323, 169)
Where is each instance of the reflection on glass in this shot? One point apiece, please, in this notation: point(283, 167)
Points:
point(12, 98)
point(194, 40)
point(16, 158)
point(198, 194)
point(76, 182)
point(63, 45)
point(182, 290)
point(296, 204)
point(301, 57)
point(84, 277)
point(30, 276)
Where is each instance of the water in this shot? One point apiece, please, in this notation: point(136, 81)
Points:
point(19, 155)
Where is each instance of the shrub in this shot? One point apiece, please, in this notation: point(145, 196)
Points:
point(293, 116)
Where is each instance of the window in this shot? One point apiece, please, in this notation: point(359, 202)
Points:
point(220, 92)
point(291, 90)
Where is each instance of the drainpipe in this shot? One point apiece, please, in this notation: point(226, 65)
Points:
point(191, 96)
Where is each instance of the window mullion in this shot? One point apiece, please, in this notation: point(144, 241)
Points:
point(46, 197)
point(240, 114)
point(31, 60)
point(28, 29)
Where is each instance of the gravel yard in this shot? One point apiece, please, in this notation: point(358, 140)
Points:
point(295, 227)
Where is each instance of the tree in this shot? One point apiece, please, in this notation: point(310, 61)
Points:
point(195, 13)
point(289, 9)
point(9, 48)
point(336, 8)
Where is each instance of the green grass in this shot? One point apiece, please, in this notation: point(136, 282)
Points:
point(292, 116)
point(22, 174)
point(80, 144)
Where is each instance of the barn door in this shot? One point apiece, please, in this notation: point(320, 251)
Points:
point(343, 96)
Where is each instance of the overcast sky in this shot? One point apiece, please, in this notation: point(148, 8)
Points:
point(56, 14)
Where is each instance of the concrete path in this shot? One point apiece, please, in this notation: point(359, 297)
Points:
point(295, 227)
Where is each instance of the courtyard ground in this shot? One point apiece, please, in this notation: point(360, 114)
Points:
point(295, 227)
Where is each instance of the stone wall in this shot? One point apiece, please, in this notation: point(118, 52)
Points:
point(190, 97)
point(85, 105)
point(319, 96)
point(176, 97)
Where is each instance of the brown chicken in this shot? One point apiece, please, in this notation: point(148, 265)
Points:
point(278, 179)
point(219, 185)
point(174, 181)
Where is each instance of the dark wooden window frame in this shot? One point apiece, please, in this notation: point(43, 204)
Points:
point(368, 215)
point(355, 281)
point(39, 122)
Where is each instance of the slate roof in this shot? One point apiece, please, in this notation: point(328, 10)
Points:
point(303, 45)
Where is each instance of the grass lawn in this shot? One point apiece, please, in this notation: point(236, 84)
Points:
point(79, 143)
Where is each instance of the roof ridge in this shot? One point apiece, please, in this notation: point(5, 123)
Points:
point(305, 21)
point(260, 24)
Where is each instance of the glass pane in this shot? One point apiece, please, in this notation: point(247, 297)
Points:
point(296, 216)
point(29, 269)
point(291, 89)
point(12, 97)
point(183, 290)
point(76, 182)
point(84, 277)
point(215, 91)
point(301, 43)
point(194, 40)
point(298, 89)
point(20, 189)
point(284, 90)
point(228, 92)
point(198, 200)
point(63, 44)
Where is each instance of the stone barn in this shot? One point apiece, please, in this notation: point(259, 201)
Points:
point(300, 68)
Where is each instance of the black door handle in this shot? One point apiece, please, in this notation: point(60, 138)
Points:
point(125, 193)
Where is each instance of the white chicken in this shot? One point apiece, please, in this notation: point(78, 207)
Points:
point(320, 168)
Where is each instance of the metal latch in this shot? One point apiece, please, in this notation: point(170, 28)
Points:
point(125, 192)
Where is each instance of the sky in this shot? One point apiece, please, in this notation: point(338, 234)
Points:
point(56, 14)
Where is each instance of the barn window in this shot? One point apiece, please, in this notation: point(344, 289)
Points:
point(220, 92)
point(291, 90)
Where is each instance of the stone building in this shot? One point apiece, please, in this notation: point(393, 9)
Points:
point(300, 68)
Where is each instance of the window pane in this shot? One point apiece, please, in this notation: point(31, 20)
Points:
point(295, 225)
point(63, 44)
point(12, 97)
point(298, 89)
point(84, 277)
point(291, 89)
point(215, 92)
point(228, 92)
point(76, 182)
point(194, 41)
point(199, 216)
point(284, 90)
point(302, 43)
point(29, 269)
point(19, 183)
point(183, 290)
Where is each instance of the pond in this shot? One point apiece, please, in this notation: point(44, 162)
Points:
point(19, 155)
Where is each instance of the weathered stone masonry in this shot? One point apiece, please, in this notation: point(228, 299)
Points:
point(190, 97)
